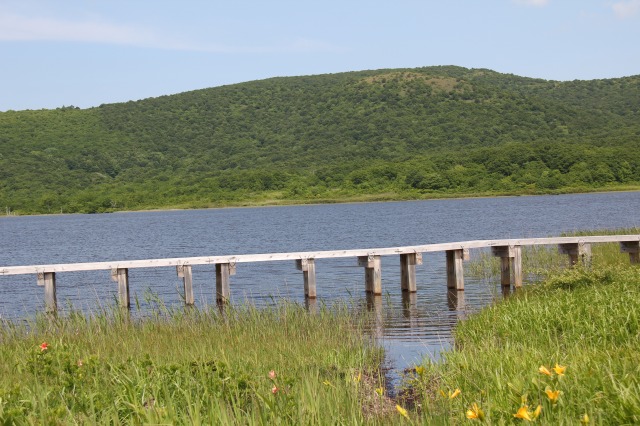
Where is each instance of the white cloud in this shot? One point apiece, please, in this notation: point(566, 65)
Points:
point(536, 3)
point(15, 27)
point(626, 9)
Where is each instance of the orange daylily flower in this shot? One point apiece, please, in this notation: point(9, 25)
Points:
point(559, 369)
point(272, 374)
point(44, 346)
point(552, 395)
point(454, 394)
point(274, 390)
point(544, 370)
point(475, 412)
point(523, 413)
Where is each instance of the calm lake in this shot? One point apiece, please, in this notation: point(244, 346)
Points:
point(410, 328)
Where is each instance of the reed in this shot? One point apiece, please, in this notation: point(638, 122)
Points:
point(245, 365)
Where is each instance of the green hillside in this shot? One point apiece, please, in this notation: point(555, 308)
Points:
point(386, 134)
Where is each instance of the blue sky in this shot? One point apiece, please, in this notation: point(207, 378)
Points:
point(89, 52)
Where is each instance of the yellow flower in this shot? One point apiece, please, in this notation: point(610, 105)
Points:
point(559, 369)
point(585, 419)
point(379, 391)
point(475, 412)
point(328, 383)
point(523, 414)
point(402, 411)
point(545, 370)
point(420, 371)
point(444, 395)
point(552, 395)
point(454, 394)
point(358, 377)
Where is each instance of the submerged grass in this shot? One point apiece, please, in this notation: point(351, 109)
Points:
point(570, 346)
point(277, 365)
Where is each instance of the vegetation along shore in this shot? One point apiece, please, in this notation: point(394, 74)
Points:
point(394, 134)
point(562, 351)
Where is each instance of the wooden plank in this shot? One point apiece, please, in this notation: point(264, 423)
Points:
point(455, 269)
point(48, 280)
point(121, 276)
point(184, 272)
point(223, 291)
point(268, 257)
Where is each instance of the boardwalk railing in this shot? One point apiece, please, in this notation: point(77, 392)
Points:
point(509, 251)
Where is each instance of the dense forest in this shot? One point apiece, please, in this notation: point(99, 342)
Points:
point(386, 134)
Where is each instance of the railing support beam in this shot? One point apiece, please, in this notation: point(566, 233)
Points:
point(308, 268)
point(372, 273)
point(184, 272)
point(48, 280)
point(455, 269)
point(223, 289)
point(121, 276)
point(576, 252)
point(510, 256)
point(408, 262)
point(633, 248)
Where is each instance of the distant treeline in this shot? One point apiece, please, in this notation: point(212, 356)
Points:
point(387, 134)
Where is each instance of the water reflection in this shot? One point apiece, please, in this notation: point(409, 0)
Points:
point(374, 305)
point(455, 300)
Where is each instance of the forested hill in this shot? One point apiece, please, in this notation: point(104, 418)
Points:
point(386, 134)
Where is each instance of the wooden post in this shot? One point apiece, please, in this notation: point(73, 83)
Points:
point(509, 255)
point(48, 280)
point(576, 252)
point(308, 268)
point(184, 272)
point(408, 262)
point(372, 273)
point(633, 248)
point(223, 272)
point(121, 276)
point(517, 266)
point(455, 270)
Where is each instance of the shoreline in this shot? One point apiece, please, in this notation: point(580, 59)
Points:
point(364, 199)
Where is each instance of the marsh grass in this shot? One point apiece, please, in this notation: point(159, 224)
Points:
point(585, 320)
point(191, 367)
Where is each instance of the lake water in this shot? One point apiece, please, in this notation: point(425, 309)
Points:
point(409, 327)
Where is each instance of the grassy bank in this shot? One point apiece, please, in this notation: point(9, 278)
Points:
point(586, 324)
point(246, 366)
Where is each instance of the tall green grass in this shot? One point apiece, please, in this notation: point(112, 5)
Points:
point(586, 321)
point(244, 366)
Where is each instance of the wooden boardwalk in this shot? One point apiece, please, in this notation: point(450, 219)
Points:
point(508, 250)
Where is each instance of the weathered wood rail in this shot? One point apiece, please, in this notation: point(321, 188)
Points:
point(508, 250)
